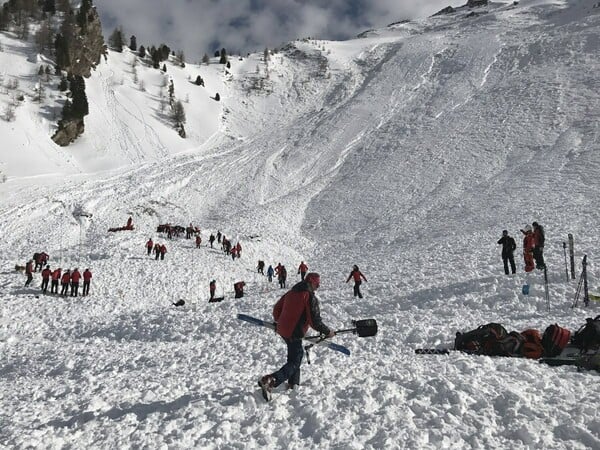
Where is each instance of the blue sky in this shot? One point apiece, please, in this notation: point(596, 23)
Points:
point(242, 26)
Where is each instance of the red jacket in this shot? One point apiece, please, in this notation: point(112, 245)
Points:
point(56, 275)
point(163, 248)
point(149, 244)
point(65, 278)
point(357, 275)
point(28, 267)
point(75, 276)
point(297, 310)
point(46, 274)
point(87, 275)
point(302, 268)
point(528, 242)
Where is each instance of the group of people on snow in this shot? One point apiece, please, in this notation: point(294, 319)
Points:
point(533, 248)
point(68, 279)
point(160, 250)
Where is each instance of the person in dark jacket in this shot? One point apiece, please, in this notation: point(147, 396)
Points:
point(270, 272)
point(239, 289)
point(357, 275)
point(508, 247)
point(294, 313)
point(211, 239)
point(538, 250)
point(212, 288)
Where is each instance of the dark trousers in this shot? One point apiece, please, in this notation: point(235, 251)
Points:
point(157, 255)
point(74, 289)
point(54, 287)
point(538, 255)
point(64, 289)
point(291, 369)
point(506, 259)
point(302, 275)
point(149, 250)
point(45, 282)
point(357, 289)
point(29, 278)
point(162, 256)
point(282, 283)
point(239, 294)
point(86, 287)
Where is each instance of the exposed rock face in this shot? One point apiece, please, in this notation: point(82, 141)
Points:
point(68, 131)
point(446, 10)
point(475, 3)
point(86, 48)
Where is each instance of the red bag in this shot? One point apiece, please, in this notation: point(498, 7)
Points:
point(554, 340)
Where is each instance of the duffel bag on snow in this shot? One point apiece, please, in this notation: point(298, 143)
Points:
point(480, 341)
point(588, 336)
point(532, 347)
point(554, 340)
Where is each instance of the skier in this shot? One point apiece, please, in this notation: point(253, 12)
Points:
point(357, 275)
point(294, 312)
point(270, 273)
point(261, 267)
point(302, 269)
point(508, 247)
point(163, 250)
point(211, 239)
point(87, 277)
point(46, 273)
point(64, 282)
point(149, 246)
point(55, 278)
point(528, 246)
point(538, 250)
point(239, 289)
point(212, 287)
point(75, 276)
point(29, 272)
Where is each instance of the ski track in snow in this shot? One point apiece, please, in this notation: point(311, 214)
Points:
point(407, 153)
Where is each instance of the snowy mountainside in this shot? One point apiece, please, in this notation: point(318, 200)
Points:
point(405, 151)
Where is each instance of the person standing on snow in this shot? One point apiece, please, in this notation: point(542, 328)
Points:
point(163, 251)
point(212, 288)
point(211, 239)
point(87, 277)
point(528, 246)
point(75, 276)
point(538, 250)
point(296, 311)
point(55, 278)
point(282, 276)
point(270, 273)
point(29, 272)
point(156, 251)
point(357, 275)
point(198, 241)
point(64, 282)
point(149, 246)
point(508, 247)
point(239, 289)
point(302, 269)
point(46, 273)
point(219, 237)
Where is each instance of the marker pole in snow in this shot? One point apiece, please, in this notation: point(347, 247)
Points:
point(586, 295)
point(566, 266)
point(546, 287)
point(572, 255)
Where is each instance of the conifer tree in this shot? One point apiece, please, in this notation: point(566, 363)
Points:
point(142, 51)
point(61, 48)
point(80, 102)
point(132, 43)
point(223, 59)
point(206, 59)
point(116, 40)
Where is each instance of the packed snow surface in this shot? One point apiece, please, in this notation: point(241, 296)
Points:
point(406, 152)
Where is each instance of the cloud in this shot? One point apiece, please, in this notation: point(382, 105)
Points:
point(241, 26)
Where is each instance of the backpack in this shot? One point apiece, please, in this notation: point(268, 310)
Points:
point(554, 340)
point(481, 340)
point(532, 347)
point(588, 336)
point(510, 345)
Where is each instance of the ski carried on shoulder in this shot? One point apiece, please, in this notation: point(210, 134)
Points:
point(313, 340)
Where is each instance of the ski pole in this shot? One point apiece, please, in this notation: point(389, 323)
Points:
point(566, 266)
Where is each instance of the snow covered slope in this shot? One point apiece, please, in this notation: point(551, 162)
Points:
point(406, 152)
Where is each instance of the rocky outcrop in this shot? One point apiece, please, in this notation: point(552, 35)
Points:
point(446, 10)
point(68, 131)
point(476, 3)
point(86, 47)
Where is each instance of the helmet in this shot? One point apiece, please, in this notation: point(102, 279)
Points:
point(527, 228)
point(314, 279)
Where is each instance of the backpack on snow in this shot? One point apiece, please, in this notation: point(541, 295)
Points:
point(532, 347)
point(588, 336)
point(510, 345)
point(480, 341)
point(554, 340)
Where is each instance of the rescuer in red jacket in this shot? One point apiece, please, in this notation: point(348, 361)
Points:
point(357, 275)
point(297, 310)
point(75, 277)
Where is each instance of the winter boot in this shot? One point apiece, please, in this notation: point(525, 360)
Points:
point(266, 383)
